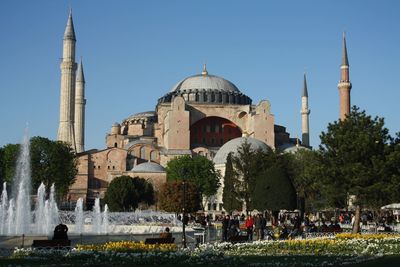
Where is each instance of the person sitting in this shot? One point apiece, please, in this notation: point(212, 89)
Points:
point(324, 227)
point(284, 232)
point(60, 232)
point(166, 234)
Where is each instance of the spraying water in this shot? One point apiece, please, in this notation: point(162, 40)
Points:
point(22, 188)
point(16, 217)
point(3, 209)
point(97, 217)
point(104, 225)
point(79, 216)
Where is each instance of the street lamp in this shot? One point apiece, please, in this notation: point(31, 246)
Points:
point(183, 174)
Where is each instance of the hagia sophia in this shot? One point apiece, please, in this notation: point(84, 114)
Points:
point(202, 115)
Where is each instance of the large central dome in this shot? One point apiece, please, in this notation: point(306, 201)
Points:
point(205, 82)
point(206, 88)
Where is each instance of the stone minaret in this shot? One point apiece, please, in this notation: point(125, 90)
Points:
point(67, 95)
point(344, 83)
point(305, 112)
point(80, 103)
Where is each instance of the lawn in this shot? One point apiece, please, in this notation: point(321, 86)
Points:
point(386, 261)
point(343, 250)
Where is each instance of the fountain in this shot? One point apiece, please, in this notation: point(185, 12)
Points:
point(3, 209)
point(17, 218)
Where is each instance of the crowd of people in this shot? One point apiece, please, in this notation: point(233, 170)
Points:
point(288, 224)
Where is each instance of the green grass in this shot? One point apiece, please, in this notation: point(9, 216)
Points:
point(387, 261)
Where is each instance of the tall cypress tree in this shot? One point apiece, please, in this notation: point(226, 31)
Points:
point(229, 196)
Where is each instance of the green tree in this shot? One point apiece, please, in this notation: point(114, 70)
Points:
point(125, 193)
point(273, 189)
point(52, 162)
point(306, 178)
point(146, 191)
point(354, 153)
point(246, 164)
point(393, 169)
point(171, 197)
point(198, 170)
point(9, 161)
point(229, 196)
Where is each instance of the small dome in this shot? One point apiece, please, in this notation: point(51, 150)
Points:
point(116, 124)
point(205, 82)
point(148, 167)
point(233, 146)
point(292, 148)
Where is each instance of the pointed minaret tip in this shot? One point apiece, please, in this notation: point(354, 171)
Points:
point(204, 72)
point(79, 73)
point(345, 60)
point(305, 91)
point(69, 30)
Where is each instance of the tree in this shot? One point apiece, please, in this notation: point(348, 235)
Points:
point(125, 193)
point(198, 170)
point(52, 162)
point(8, 161)
point(273, 189)
point(246, 164)
point(146, 191)
point(354, 152)
point(171, 197)
point(306, 178)
point(229, 196)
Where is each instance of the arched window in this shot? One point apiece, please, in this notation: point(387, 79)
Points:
point(115, 144)
point(153, 155)
point(142, 152)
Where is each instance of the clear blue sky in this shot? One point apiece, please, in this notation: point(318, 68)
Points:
point(135, 51)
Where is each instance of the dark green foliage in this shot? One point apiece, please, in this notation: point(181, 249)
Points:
point(246, 164)
point(262, 179)
point(273, 189)
point(306, 176)
point(125, 193)
point(199, 170)
point(355, 155)
point(8, 161)
point(52, 162)
point(230, 198)
point(171, 197)
point(145, 189)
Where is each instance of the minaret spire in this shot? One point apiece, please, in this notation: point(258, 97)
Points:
point(305, 113)
point(80, 103)
point(344, 85)
point(68, 66)
point(69, 30)
point(345, 60)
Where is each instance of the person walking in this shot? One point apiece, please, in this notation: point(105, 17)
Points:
point(257, 226)
point(249, 223)
point(225, 227)
point(263, 226)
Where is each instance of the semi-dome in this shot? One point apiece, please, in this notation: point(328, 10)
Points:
point(145, 114)
point(233, 146)
point(206, 88)
point(148, 167)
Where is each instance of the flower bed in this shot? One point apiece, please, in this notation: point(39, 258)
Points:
point(339, 250)
point(128, 246)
